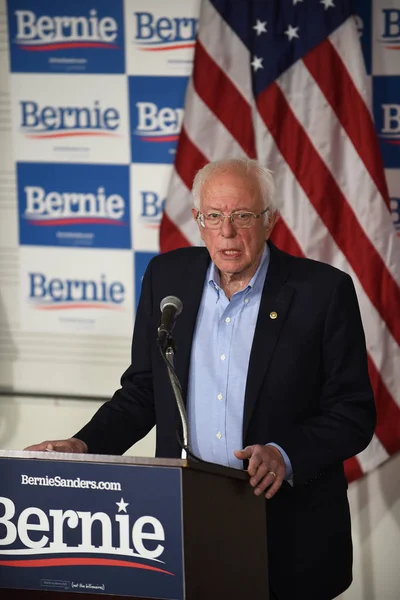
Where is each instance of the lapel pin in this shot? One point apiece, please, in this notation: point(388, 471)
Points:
point(273, 315)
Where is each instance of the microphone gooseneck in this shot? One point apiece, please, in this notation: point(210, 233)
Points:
point(171, 307)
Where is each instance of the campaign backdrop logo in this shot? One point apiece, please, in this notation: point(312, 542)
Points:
point(49, 293)
point(71, 119)
point(149, 188)
point(74, 205)
point(391, 28)
point(74, 290)
point(161, 36)
point(142, 260)
point(72, 526)
point(386, 98)
point(156, 115)
point(386, 23)
point(74, 36)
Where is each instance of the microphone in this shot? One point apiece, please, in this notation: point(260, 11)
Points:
point(170, 307)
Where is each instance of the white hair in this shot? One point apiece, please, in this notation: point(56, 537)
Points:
point(245, 166)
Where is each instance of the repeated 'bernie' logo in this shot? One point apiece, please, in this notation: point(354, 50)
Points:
point(49, 33)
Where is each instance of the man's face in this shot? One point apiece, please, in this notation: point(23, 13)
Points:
point(234, 251)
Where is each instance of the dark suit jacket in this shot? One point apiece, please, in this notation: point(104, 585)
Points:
point(307, 390)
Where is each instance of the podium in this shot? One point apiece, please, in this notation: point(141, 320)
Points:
point(79, 526)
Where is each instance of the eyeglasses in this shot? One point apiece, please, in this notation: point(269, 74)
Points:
point(239, 219)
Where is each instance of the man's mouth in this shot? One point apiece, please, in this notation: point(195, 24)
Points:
point(230, 252)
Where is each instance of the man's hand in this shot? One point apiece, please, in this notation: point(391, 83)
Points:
point(71, 445)
point(266, 468)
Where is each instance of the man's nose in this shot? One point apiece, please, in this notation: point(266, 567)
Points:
point(227, 228)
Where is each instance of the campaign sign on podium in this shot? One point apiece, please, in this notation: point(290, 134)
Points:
point(91, 528)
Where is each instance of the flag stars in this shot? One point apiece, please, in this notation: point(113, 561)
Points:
point(296, 2)
point(291, 32)
point(328, 4)
point(257, 63)
point(260, 27)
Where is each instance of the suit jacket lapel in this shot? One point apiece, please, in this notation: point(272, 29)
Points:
point(275, 301)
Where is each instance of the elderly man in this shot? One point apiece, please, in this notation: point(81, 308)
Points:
point(273, 367)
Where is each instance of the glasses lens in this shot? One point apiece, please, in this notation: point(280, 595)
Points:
point(212, 220)
point(243, 220)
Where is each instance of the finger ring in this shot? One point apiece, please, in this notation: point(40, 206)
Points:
point(272, 473)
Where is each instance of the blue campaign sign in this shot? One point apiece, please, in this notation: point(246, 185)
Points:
point(156, 115)
point(363, 15)
point(386, 99)
point(93, 528)
point(74, 205)
point(77, 36)
point(142, 259)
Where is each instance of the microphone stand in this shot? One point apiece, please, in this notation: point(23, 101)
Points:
point(176, 387)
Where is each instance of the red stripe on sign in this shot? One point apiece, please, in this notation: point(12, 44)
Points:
point(352, 469)
point(171, 236)
point(327, 198)
point(227, 103)
point(67, 306)
point(166, 48)
point(340, 91)
point(388, 412)
point(66, 562)
point(67, 46)
point(45, 136)
point(164, 138)
point(77, 221)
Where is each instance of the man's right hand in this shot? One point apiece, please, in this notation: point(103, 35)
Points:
point(70, 445)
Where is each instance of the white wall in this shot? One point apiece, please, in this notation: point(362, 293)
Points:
point(375, 500)
point(26, 421)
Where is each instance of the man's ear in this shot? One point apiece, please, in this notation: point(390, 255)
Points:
point(273, 219)
point(195, 212)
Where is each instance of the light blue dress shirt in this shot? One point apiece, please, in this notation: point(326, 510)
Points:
point(218, 368)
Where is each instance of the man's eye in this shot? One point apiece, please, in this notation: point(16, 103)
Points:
point(213, 216)
point(243, 216)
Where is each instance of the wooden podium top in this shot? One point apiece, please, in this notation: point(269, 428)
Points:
point(181, 463)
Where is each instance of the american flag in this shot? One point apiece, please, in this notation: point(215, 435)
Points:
point(284, 81)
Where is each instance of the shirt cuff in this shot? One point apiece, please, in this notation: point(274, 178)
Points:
point(288, 464)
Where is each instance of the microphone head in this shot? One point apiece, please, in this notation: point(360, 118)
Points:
point(172, 301)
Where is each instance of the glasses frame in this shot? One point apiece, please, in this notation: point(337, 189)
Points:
point(200, 218)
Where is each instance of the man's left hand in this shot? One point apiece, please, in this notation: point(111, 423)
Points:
point(266, 468)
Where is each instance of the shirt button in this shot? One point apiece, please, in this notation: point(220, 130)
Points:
point(227, 320)
point(223, 356)
point(246, 301)
point(219, 435)
point(219, 396)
